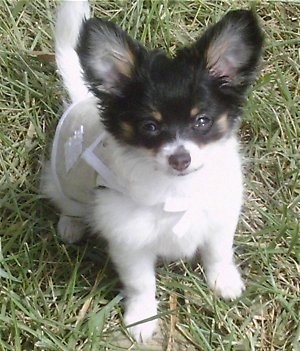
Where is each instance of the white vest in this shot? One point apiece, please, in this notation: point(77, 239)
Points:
point(79, 159)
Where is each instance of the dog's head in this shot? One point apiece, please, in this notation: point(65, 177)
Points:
point(174, 108)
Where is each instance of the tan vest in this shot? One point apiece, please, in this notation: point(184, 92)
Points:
point(79, 153)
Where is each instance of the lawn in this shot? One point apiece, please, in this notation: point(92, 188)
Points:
point(61, 297)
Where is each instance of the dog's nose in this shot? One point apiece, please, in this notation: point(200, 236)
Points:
point(180, 160)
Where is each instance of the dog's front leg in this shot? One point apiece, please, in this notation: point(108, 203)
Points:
point(218, 261)
point(136, 270)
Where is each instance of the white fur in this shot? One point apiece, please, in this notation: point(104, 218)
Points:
point(136, 225)
point(68, 23)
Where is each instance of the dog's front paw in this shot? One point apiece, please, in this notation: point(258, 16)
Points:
point(70, 229)
point(136, 313)
point(225, 280)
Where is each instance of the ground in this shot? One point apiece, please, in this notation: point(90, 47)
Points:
point(60, 297)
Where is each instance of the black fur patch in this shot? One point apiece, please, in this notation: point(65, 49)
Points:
point(146, 97)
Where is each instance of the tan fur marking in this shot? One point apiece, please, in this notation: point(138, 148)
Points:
point(194, 112)
point(127, 130)
point(223, 123)
point(156, 115)
point(124, 61)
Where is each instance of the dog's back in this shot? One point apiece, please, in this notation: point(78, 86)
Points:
point(70, 17)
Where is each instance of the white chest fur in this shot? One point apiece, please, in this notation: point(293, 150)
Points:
point(172, 214)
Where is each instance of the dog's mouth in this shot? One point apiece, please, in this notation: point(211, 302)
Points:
point(186, 172)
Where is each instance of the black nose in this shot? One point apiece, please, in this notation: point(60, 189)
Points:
point(180, 160)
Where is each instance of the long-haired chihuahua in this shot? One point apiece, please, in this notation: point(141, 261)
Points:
point(146, 154)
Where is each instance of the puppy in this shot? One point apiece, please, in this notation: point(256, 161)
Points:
point(147, 155)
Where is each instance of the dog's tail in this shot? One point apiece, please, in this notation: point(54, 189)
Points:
point(70, 17)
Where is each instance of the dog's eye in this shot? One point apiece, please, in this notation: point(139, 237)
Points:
point(150, 127)
point(202, 123)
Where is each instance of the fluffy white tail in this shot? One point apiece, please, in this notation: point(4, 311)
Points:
point(70, 16)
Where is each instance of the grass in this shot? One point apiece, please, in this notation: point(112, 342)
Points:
point(65, 298)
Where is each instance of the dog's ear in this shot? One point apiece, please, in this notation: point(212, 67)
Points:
point(232, 48)
point(107, 54)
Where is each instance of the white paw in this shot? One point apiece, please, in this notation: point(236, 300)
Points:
point(137, 311)
point(225, 280)
point(70, 229)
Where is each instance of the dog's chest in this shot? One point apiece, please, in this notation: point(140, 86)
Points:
point(180, 233)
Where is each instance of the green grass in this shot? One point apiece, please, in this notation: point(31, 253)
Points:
point(59, 297)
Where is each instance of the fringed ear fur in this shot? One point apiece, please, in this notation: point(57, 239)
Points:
point(232, 48)
point(107, 54)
